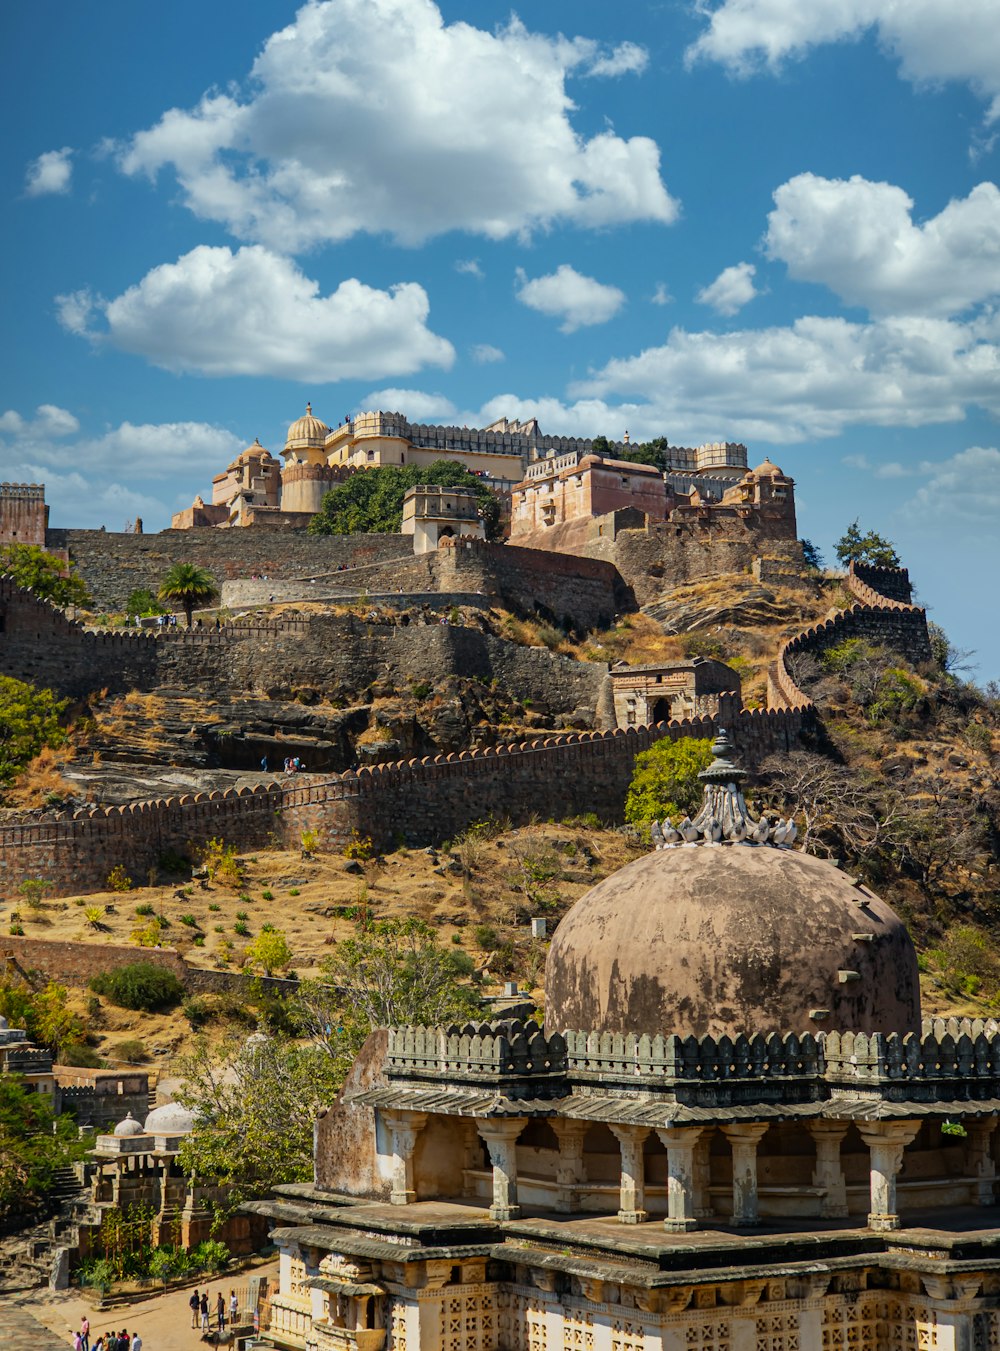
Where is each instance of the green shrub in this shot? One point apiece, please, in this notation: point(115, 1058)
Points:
point(190, 921)
point(267, 895)
point(145, 909)
point(242, 928)
point(140, 985)
point(197, 1010)
point(80, 1055)
point(132, 1051)
point(486, 936)
point(118, 879)
point(420, 689)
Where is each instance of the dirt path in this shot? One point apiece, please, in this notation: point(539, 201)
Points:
point(163, 1321)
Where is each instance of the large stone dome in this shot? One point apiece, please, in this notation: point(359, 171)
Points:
point(712, 939)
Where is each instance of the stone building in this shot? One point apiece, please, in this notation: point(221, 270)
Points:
point(645, 695)
point(431, 514)
point(137, 1163)
point(23, 514)
point(732, 1134)
point(566, 490)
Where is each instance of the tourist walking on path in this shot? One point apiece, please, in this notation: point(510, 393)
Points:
point(85, 1333)
point(194, 1303)
point(234, 1308)
point(136, 1342)
point(220, 1312)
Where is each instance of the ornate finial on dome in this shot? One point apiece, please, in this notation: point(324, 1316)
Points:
point(309, 409)
point(724, 818)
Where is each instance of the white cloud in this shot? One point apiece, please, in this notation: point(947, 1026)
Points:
point(859, 238)
point(626, 59)
point(732, 289)
point(484, 353)
point(254, 313)
point(965, 488)
point(112, 477)
point(568, 295)
point(414, 404)
point(49, 173)
point(470, 267)
point(810, 380)
point(661, 295)
point(933, 40)
point(376, 115)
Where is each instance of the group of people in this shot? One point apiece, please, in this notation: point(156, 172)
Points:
point(107, 1341)
point(201, 1310)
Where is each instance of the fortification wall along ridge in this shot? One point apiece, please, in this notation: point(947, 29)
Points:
point(77, 964)
point(883, 615)
point(335, 655)
point(113, 565)
point(419, 802)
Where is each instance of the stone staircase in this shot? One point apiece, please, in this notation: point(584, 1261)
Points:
point(27, 1258)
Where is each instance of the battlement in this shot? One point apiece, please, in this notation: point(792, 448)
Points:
point(947, 1062)
point(22, 492)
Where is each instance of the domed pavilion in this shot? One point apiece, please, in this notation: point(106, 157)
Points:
point(732, 1133)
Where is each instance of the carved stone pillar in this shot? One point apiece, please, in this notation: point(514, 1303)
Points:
point(501, 1135)
point(744, 1139)
point(679, 1142)
point(404, 1128)
point(569, 1165)
point(886, 1140)
point(828, 1136)
point(979, 1158)
point(632, 1202)
point(703, 1207)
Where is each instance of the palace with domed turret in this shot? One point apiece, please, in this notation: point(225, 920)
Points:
point(550, 481)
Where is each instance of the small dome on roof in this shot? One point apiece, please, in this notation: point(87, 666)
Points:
point(128, 1127)
point(170, 1119)
point(307, 431)
point(767, 470)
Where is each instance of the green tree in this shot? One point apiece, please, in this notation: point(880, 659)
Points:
point(869, 548)
point(29, 720)
point(189, 585)
point(33, 1144)
point(370, 502)
point(256, 1102)
point(269, 951)
point(811, 556)
point(395, 971)
point(141, 601)
point(46, 574)
point(43, 1013)
point(665, 780)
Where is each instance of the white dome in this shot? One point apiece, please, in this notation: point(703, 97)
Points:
point(129, 1127)
point(170, 1119)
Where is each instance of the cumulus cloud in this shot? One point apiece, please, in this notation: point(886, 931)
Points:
point(964, 488)
point(732, 289)
point(414, 404)
point(484, 353)
point(859, 238)
point(661, 295)
point(253, 312)
point(933, 40)
point(813, 378)
point(49, 173)
point(376, 115)
point(470, 267)
point(124, 472)
point(568, 295)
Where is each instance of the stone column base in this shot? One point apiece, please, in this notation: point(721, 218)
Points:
point(633, 1216)
point(505, 1213)
point(882, 1224)
point(402, 1198)
point(680, 1226)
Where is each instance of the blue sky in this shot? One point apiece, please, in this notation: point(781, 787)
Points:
point(750, 220)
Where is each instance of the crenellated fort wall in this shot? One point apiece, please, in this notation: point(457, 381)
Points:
point(418, 802)
point(883, 615)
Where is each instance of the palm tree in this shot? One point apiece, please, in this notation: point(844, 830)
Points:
point(189, 584)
